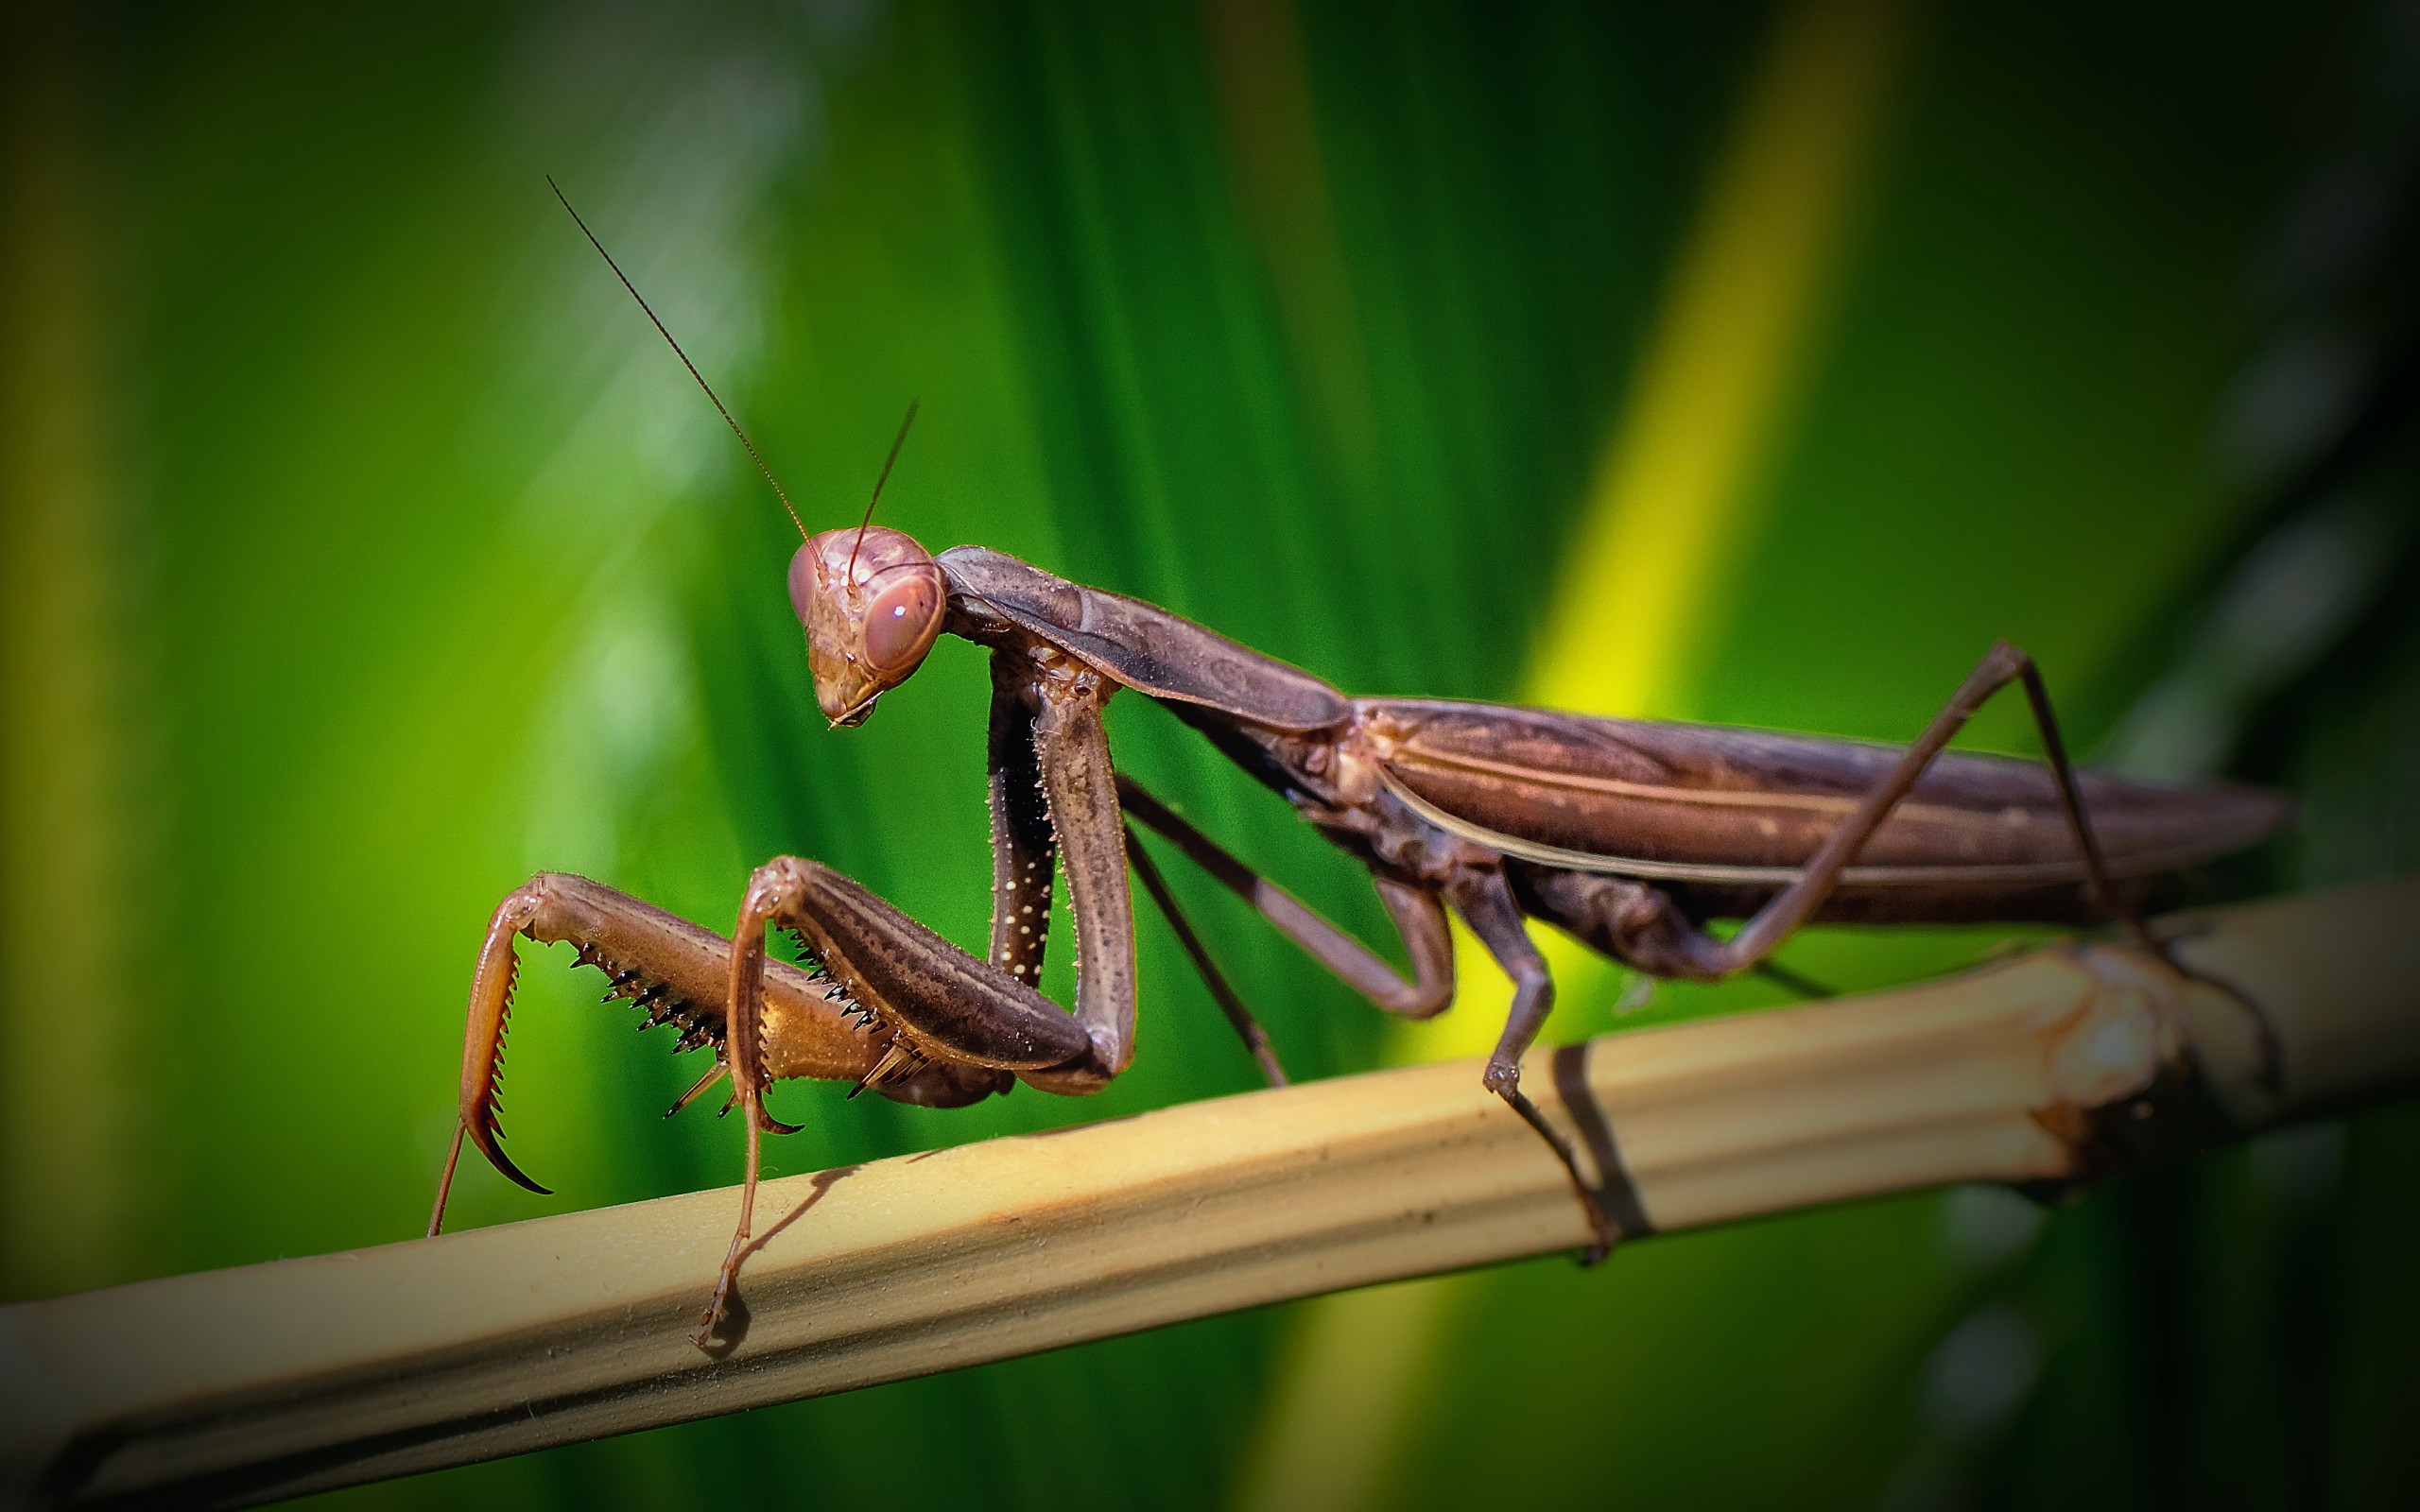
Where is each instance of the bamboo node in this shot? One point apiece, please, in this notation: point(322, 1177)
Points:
point(2122, 1037)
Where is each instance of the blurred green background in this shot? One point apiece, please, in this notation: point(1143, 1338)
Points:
point(365, 552)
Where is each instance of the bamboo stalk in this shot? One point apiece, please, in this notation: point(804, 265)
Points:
point(236, 1386)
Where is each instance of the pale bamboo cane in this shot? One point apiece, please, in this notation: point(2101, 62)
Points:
point(244, 1385)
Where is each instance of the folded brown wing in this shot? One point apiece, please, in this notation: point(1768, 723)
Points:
point(1697, 794)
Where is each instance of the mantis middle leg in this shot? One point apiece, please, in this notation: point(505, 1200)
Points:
point(1419, 918)
point(1484, 901)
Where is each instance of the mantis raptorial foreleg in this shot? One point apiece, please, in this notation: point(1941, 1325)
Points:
point(943, 1005)
point(1053, 793)
point(1025, 852)
point(1025, 849)
point(680, 973)
point(1072, 747)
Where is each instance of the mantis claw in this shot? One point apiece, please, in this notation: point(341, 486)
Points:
point(493, 1149)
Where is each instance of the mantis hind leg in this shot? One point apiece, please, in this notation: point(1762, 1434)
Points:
point(2002, 665)
point(1794, 905)
point(1657, 938)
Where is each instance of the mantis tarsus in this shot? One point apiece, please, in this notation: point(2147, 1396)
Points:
point(1626, 834)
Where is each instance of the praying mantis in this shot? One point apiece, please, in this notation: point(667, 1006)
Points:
point(1630, 836)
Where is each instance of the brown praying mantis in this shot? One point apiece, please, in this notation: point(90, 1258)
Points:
point(1629, 835)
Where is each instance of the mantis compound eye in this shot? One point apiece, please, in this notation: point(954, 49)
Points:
point(902, 622)
point(802, 581)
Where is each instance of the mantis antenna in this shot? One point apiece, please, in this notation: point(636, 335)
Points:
point(752, 453)
point(896, 443)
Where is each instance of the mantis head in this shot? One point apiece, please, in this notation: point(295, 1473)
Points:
point(871, 599)
point(872, 602)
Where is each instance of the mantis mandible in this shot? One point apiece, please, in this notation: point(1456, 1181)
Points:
point(1628, 835)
